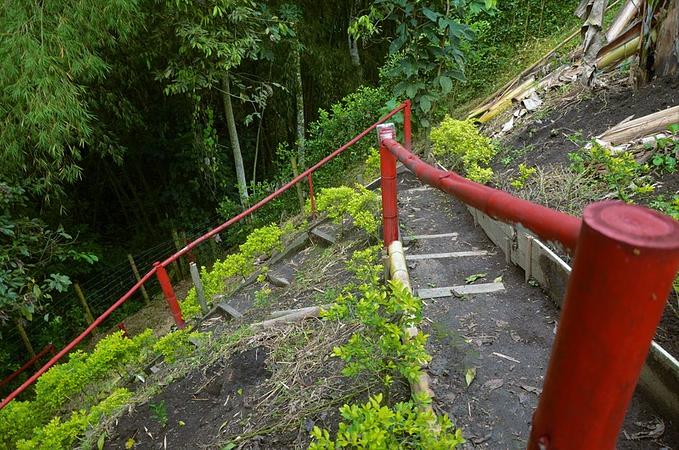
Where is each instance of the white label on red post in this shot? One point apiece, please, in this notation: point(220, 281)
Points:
point(386, 131)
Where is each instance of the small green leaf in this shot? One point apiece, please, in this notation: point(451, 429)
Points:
point(446, 84)
point(472, 278)
point(470, 375)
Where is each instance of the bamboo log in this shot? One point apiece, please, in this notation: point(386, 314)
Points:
point(625, 16)
point(506, 102)
point(200, 293)
point(624, 51)
point(285, 312)
point(643, 126)
point(288, 318)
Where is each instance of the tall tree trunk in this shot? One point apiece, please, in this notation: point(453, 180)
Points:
point(235, 144)
point(299, 103)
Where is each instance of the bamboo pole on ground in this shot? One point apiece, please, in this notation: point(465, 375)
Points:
point(642, 126)
point(144, 294)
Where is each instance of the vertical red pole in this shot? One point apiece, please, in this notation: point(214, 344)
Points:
point(625, 261)
point(389, 187)
point(407, 130)
point(168, 292)
point(312, 197)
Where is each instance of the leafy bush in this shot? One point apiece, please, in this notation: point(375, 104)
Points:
point(382, 348)
point(668, 206)
point(261, 242)
point(336, 127)
point(374, 426)
point(66, 381)
point(57, 435)
point(460, 145)
point(176, 344)
point(525, 173)
point(371, 168)
point(359, 203)
point(81, 377)
point(620, 172)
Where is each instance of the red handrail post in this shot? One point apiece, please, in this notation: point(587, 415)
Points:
point(625, 260)
point(407, 129)
point(312, 197)
point(388, 184)
point(168, 292)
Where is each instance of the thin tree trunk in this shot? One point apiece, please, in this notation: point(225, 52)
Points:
point(299, 103)
point(235, 144)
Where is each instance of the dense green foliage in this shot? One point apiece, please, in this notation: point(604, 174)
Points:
point(81, 381)
point(460, 146)
point(377, 426)
point(359, 204)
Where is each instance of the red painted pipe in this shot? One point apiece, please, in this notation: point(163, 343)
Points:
point(625, 262)
point(168, 293)
point(389, 196)
point(77, 340)
point(283, 189)
point(49, 348)
point(548, 224)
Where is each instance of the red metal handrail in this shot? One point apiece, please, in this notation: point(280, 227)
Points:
point(625, 260)
point(158, 268)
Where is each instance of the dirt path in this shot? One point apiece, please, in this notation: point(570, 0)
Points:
point(505, 335)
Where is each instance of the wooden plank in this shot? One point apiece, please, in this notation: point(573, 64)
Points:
point(446, 255)
point(431, 236)
point(465, 289)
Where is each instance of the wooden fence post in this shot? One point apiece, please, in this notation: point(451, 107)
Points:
point(144, 294)
point(86, 308)
point(200, 293)
point(24, 337)
point(178, 245)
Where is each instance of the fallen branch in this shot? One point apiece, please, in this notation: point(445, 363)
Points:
point(285, 312)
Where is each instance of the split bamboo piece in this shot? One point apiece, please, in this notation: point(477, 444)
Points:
point(399, 271)
point(625, 16)
point(505, 102)
point(305, 313)
point(285, 312)
point(624, 51)
point(643, 126)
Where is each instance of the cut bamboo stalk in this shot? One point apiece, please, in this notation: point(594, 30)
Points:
point(285, 312)
point(628, 35)
point(288, 318)
point(624, 51)
point(625, 16)
point(506, 102)
point(643, 126)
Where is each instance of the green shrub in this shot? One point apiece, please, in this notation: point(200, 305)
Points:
point(360, 204)
point(339, 125)
point(177, 344)
point(371, 168)
point(620, 172)
point(460, 145)
point(382, 348)
point(82, 377)
point(261, 242)
point(68, 380)
point(375, 426)
point(57, 435)
point(525, 173)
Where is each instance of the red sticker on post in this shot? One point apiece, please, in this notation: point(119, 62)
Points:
point(386, 131)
